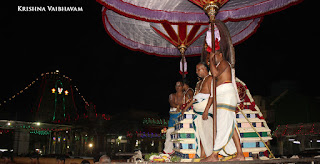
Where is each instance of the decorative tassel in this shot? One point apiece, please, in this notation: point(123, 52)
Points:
point(185, 67)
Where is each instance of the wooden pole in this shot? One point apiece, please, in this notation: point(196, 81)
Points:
point(214, 103)
point(211, 8)
point(183, 75)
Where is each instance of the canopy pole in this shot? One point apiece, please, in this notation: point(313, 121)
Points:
point(211, 8)
point(214, 103)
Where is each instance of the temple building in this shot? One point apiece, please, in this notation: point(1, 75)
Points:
point(61, 121)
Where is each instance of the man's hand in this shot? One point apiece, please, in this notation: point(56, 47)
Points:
point(178, 108)
point(211, 57)
point(205, 115)
point(182, 111)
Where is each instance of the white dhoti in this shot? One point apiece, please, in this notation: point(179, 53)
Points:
point(203, 128)
point(168, 145)
point(226, 119)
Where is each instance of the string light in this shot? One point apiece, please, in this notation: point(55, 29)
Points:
point(304, 129)
point(152, 121)
point(144, 134)
point(37, 79)
point(6, 131)
point(60, 90)
point(34, 128)
point(40, 132)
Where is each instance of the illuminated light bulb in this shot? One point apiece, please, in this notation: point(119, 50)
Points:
point(66, 92)
point(53, 90)
point(60, 90)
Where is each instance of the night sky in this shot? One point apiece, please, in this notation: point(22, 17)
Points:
point(115, 78)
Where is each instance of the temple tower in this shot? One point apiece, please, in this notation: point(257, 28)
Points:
point(55, 102)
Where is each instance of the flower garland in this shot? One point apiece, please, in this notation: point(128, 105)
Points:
point(155, 157)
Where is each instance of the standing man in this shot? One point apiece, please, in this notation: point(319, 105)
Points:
point(202, 102)
point(227, 141)
point(176, 101)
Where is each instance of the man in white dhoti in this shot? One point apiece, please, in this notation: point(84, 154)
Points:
point(203, 128)
point(227, 141)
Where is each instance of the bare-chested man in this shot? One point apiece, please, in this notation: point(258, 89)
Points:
point(203, 128)
point(176, 101)
point(226, 105)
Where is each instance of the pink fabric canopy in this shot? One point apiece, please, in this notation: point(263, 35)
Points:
point(132, 23)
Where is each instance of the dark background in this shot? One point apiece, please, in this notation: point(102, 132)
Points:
point(114, 78)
